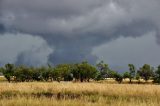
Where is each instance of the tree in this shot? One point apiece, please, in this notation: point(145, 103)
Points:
point(62, 72)
point(157, 75)
point(50, 72)
point(76, 72)
point(138, 77)
point(23, 73)
point(146, 72)
point(104, 69)
point(118, 78)
point(66, 72)
point(132, 72)
point(36, 74)
point(45, 73)
point(8, 71)
point(126, 75)
point(98, 76)
point(84, 71)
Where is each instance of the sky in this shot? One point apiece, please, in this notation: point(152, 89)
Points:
point(119, 32)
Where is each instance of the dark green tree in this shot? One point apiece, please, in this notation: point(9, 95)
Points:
point(76, 72)
point(36, 74)
point(8, 71)
point(84, 71)
point(138, 77)
point(45, 72)
point(62, 72)
point(104, 69)
point(156, 78)
point(23, 73)
point(118, 78)
point(126, 75)
point(66, 72)
point(146, 72)
point(111, 73)
point(132, 72)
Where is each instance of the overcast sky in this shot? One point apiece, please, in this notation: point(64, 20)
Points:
point(37, 32)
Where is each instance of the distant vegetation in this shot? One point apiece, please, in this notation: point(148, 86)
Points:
point(82, 72)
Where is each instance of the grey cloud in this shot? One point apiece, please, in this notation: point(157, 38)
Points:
point(56, 8)
point(123, 51)
point(34, 49)
point(2, 28)
point(33, 17)
point(74, 27)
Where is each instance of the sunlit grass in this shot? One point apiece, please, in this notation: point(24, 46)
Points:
point(78, 94)
point(2, 78)
point(43, 101)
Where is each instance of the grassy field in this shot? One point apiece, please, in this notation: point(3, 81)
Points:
point(78, 94)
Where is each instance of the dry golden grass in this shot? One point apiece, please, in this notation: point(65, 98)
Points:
point(2, 78)
point(43, 101)
point(78, 94)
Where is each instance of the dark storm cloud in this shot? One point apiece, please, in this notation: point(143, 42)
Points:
point(1, 25)
point(138, 51)
point(2, 29)
point(54, 8)
point(74, 27)
point(35, 50)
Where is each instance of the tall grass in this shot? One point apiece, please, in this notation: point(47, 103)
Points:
point(78, 94)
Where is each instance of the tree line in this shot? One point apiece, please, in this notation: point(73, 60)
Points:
point(83, 72)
